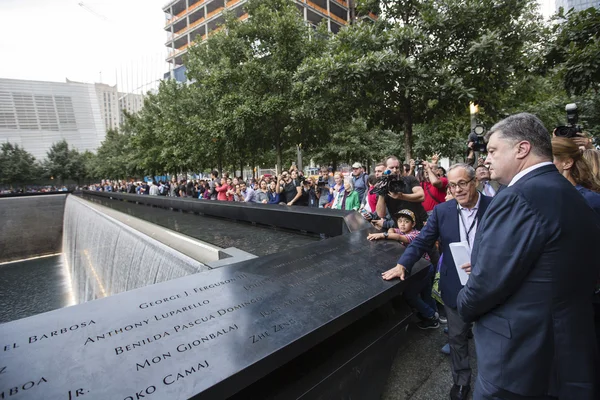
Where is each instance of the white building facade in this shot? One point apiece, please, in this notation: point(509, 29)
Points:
point(577, 5)
point(35, 114)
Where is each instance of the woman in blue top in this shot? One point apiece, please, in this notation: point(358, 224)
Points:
point(272, 194)
point(569, 160)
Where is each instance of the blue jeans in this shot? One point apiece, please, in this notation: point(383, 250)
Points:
point(418, 295)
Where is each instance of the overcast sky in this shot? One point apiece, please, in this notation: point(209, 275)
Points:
point(107, 41)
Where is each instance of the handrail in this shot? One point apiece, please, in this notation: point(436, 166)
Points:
point(338, 19)
point(342, 2)
point(196, 23)
point(243, 17)
point(217, 29)
point(181, 14)
point(231, 3)
point(328, 13)
point(313, 5)
point(210, 14)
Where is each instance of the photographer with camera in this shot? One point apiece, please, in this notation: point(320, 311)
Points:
point(476, 144)
point(433, 186)
point(324, 183)
point(400, 192)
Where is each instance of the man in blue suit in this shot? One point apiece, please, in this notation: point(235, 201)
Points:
point(453, 221)
point(534, 267)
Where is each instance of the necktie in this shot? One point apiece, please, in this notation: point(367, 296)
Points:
point(488, 190)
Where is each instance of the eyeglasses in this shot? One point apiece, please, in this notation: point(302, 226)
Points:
point(463, 185)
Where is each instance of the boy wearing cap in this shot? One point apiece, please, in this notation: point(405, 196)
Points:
point(418, 296)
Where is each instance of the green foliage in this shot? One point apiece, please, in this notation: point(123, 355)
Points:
point(63, 163)
point(17, 166)
point(426, 61)
point(244, 78)
point(576, 49)
point(400, 85)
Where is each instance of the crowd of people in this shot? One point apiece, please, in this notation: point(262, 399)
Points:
point(528, 212)
point(36, 189)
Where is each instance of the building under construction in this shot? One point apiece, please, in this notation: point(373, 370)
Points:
point(192, 21)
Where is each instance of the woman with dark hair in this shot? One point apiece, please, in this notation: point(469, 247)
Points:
point(568, 158)
point(273, 193)
point(262, 192)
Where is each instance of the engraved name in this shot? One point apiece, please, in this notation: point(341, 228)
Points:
point(111, 333)
point(194, 369)
point(61, 331)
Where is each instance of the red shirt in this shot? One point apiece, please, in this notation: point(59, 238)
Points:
point(372, 199)
point(438, 194)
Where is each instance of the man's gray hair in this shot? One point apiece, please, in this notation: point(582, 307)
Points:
point(528, 127)
point(470, 170)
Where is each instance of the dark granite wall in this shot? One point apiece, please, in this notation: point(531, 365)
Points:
point(31, 226)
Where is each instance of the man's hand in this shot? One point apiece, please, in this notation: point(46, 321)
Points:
point(375, 236)
point(396, 196)
point(290, 203)
point(466, 267)
point(378, 224)
point(411, 163)
point(435, 158)
point(397, 272)
point(264, 201)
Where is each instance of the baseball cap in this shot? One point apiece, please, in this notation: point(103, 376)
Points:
point(407, 214)
point(357, 165)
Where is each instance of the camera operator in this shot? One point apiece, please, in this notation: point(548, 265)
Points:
point(324, 183)
point(410, 197)
point(309, 196)
point(471, 155)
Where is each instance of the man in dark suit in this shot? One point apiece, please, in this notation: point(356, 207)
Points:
point(534, 267)
point(453, 221)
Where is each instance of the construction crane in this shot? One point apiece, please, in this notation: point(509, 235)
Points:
point(88, 9)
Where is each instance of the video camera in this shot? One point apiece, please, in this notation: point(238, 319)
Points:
point(322, 181)
point(570, 130)
point(388, 182)
point(477, 138)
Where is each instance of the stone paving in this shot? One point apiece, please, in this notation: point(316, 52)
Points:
point(421, 371)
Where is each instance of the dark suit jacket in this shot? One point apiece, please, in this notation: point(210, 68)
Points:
point(534, 266)
point(443, 224)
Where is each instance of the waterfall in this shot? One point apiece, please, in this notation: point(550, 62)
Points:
point(105, 256)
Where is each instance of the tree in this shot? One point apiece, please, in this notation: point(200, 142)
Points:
point(245, 75)
point(63, 163)
point(576, 50)
point(17, 166)
point(426, 60)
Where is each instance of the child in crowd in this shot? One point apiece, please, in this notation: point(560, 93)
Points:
point(417, 295)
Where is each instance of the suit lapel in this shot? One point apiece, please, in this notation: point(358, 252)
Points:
point(453, 223)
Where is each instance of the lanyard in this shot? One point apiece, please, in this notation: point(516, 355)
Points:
point(462, 221)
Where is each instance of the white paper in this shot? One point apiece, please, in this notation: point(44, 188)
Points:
point(461, 253)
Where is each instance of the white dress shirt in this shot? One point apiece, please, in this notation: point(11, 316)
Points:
point(488, 190)
point(467, 217)
point(528, 170)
